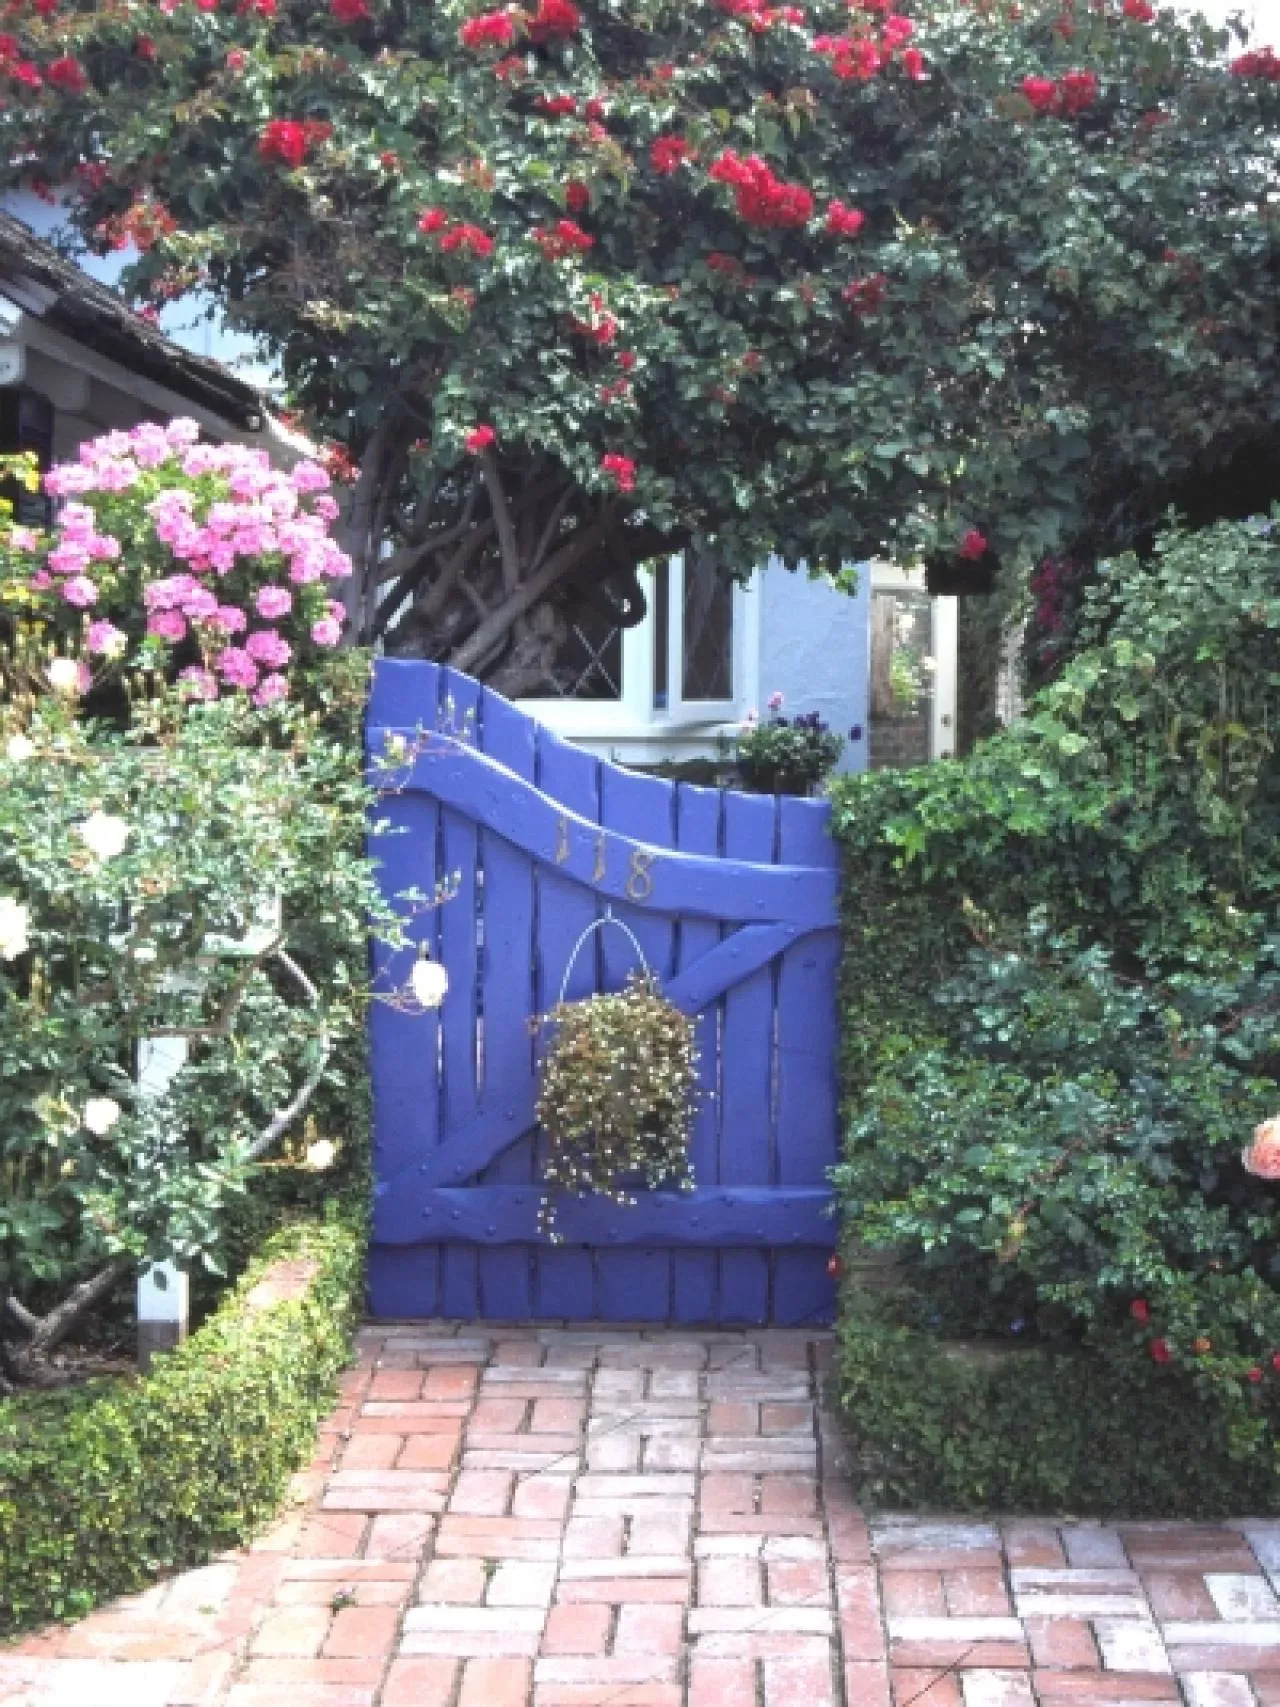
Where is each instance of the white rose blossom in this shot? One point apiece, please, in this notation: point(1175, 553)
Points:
point(65, 676)
point(15, 923)
point(18, 749)
point(104, 835)
point(100, 1115)
point(320, 1155)
point(429, 982)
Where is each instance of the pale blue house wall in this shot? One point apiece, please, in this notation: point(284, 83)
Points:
point(815, 649)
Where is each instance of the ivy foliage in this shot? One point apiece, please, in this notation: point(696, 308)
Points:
point(818, 292)
point(104, 1487)
point(1062, 1000)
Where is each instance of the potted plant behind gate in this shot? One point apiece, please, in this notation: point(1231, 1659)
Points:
point(786, 755)
point(618, 1090)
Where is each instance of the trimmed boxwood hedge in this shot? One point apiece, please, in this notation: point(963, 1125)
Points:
point(1033, 1430)
point(105, 1487)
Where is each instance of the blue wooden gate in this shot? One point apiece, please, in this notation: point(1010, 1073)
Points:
point(733, 899)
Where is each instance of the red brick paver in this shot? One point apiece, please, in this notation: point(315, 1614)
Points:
point(542, 1517)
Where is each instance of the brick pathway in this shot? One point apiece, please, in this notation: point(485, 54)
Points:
point(575, 1519)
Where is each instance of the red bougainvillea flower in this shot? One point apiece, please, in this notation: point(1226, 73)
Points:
point(1042, 92)
point(1160, 1351)
point(432, 219)
point(1254, 1375)
point(554, 18)
point(973, 546)
point(1140, 1310)
point(556, 106)
point(469, 237)
point(621, 470)
point(1275, 1361)
point(865, 296)
point(144, 48)
point(1077, 90)
point(46, 8)
point(264, 8)
point(350, 11)
point(68, 73)
point(565, 237)
point(1139, 10)
point(237, 59)
point(669, 153)
point(490, 29)
point(626, 360)
point(577, 196)
point(760, 196)
point(913, 63)
point(1264, 63)
point(479, 439)
point(594, 108)
point(289, 140)
point(844, 221)
point(898, 31)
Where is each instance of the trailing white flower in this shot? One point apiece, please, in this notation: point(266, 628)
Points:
point(428, 980)
point(15, 923)
point(18, 749)
point(100, 1115)
point(104, 835)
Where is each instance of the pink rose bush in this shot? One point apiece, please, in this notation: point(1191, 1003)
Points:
point(202, 561)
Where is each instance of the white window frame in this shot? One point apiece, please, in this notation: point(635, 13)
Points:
point(632, 724)
point(945, 629)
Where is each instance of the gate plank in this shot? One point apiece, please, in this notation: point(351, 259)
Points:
point(635, 1285)
point(459, 710)
point(403, 1047)
point(565, 1278)
point(746, 1130)
point(695, 1274)
point(803, 1292)
point(743, 1222)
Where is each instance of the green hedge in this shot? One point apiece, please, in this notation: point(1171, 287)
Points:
point(104, 1487)
point(1034, 1430)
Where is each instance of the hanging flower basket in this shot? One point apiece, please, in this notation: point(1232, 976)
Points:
point(618, 1092)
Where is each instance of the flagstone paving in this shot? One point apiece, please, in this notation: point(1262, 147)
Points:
point(559, 1518)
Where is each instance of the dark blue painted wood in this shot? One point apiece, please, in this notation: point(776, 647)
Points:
point(696, 1274)
point(803, 1291)
point(746, 1128)
point(460, 837)
point(566, 1277)
point(734, 906)
point(753, 1219)
point(630, 1284)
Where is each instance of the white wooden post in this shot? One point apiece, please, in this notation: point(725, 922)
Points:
point(163, 1289)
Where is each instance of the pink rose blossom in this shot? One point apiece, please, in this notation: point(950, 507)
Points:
point(201, 605)
point(230, 619)
point(273, 602)
point(105, 639)
point(337, 610)
point(309, 477)
point(40, 581)
point(68, 560)
point(236, 667)
point(196, 683)
point(80, 591)
point(326, 632)
point(167, 625)
point(268, 648)
point(23, 539)
point(326, 507)
point(273, 689)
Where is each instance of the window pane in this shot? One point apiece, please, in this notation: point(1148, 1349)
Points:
point(588, 664)
point(660, 619)
point(708, 631)
point(901, 678)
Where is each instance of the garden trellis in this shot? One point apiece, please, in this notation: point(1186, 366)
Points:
point(732, 899)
